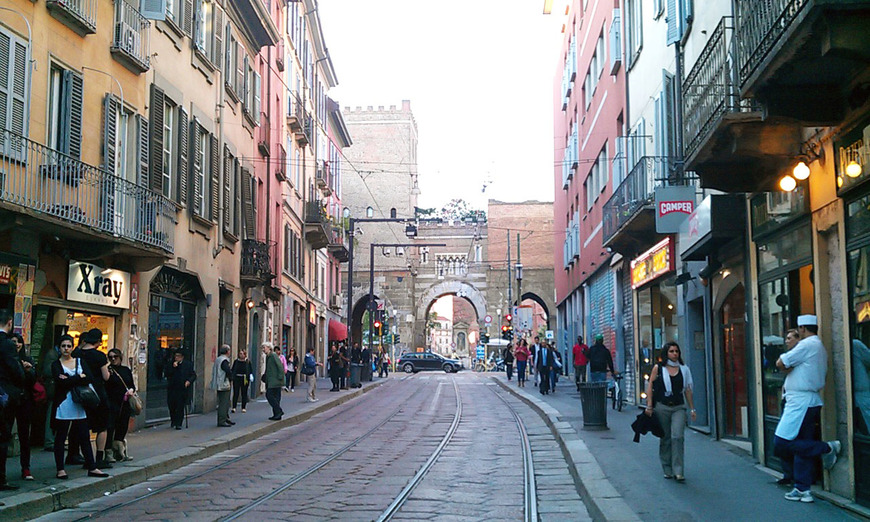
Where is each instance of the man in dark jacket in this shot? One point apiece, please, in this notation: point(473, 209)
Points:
point(181, 377)
point(545, 362)
point(600, 361)
point(12, 382)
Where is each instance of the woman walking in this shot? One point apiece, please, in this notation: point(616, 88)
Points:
point(24, 412)
point(522, 354)
point(292, 368)
point(69, 417)
point(243, 372)
point(119, 388)
point(670, 390)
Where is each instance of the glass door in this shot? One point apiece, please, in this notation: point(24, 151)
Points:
point(735, 392)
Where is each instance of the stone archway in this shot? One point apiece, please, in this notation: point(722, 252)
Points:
point(531, 296)
point(467, 291)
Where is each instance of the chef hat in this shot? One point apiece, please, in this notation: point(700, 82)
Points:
point(807, 320)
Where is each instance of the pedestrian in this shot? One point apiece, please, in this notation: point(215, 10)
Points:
point(12, 382)
point(580, 352)
point(283, 358)
point(96, 366)
point(243, 374)
point(69, 417)
point(292, 368)
point(600, 361)
point(556, 370)
point(670, 389)
point(24, 413)
point(345, 366)
point(533, 349)
point(366, 360)
point(48, 359)
point(545, 363)
point(119, 388)
point(792, 337)
point(522, 355)
point(383, 363)
point(273, 378)
point(334, 368)
point(221, 383)
point(507, 356)
point(309, 369)
point(181, 377)
point(806, 367)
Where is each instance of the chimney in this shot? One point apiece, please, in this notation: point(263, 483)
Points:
point(406, 105)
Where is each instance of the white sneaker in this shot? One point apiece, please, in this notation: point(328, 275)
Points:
point(798, 495)
point(830, 458)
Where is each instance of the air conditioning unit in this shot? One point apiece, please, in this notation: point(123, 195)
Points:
point(130, 39)
point(335, 302)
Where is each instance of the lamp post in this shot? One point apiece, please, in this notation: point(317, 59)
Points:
point(518, 268)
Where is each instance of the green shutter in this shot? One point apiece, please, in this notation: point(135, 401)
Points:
point(156, 133)
point(142, 152)
point(111, 108)
point(183, 148)
point(75, 97)
point(214, 204)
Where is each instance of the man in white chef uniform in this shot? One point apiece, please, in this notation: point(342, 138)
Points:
point(806, 366)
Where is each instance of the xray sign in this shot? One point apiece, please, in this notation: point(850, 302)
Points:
point(94, 284)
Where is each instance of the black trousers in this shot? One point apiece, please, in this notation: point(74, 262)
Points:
point(273, 395)
point(545, 380)
point(342, 377)
point(7, 419)
point(176, 401)
point(240, 388)
point(79, 436)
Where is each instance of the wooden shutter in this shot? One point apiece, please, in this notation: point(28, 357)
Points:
point(153, 9)
point(196, 167)
point(246, 86)
point(110, 133)
point(75, 98)
point(156, 133)
point(187, 17)
point(214, 205)
point(248, 204)
point(183, 157)
point(237, 194)
point(241, 59)
point(229, 66)
point(14, 70)
point(674, 19)
point(143, 149)
point(228, 167)
point(217, 52)
point(256, 98)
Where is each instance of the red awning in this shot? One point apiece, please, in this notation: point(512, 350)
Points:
point(337, 330)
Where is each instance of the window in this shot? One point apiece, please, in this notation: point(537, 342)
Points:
point(634, 30)
point(229, 193)
point(65, 95)
point(298, 173)
point(14, 96)
point(120, 140)
point(169, 148)
point(601, 163)
point(208, 31)
point(231, 57)
point(200, 167)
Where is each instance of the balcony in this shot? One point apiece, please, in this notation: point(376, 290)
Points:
point(338, 245)
point(295, 113)
point(318, 229)
point(281, 168)
point(793, 53)
point(629, 215)
point(78, 15)
point(256, 266)
point(322, 178)
point(100, 212)
point(264, 136)
point(131, 41)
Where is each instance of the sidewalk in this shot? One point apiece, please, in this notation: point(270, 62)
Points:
point(723, 482)
point(158, 449)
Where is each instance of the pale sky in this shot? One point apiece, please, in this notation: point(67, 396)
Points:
point(479, 74)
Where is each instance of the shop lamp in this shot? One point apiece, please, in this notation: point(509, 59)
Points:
point(853, 169)
point(250, 304)
point(839, 181)
point(787, 183)
point(800, 171)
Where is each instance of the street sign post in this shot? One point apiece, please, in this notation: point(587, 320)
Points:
point(487, 319)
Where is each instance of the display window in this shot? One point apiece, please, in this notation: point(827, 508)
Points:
point(80, 322)
point(657, 324)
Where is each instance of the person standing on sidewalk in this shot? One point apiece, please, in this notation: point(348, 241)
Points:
point(522, 355)
point(292, 368)
point(96, 366)
point(273, 378)
point(309, 369)
point(243, 374)
point(545, 363)
point(345, 366)
point(181, 377)
point(12, 382)
point(557, 368)
point(119, 388)
point(24, 415)
point(534, 349)
point(579, 351)
point(600, 360)
point(668, 391)
point(48, 359)
point(508, 356)
point(806, 366)
point(221, 382)
point(334, 368)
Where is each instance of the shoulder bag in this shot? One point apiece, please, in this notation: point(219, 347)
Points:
point(84, 394)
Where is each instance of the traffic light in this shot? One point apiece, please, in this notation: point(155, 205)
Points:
point(377, 326)
point(395, 338)
point(484, 338)
point(508, 317)
point(505, 332)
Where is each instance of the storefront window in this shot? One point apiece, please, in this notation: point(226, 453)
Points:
point(172, 326)
point(657, 321)
point(81, 322)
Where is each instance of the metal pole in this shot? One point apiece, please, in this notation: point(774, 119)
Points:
point(350, 287)
point(510, 285)
point(371, 294)
point(519, 281)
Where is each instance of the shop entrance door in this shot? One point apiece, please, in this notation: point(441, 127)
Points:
point(735, 400)
point(171, 326)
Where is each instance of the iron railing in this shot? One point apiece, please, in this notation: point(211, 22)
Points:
point(760, 24)
point(55, 184)
point(81, 12)
point(132, 35)
point(257, 259)
point(295, 112)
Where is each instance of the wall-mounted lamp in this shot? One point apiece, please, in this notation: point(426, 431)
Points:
point(854, 169)
point(787, 183)
point(801, 171)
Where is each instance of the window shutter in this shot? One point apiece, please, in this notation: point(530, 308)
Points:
point(248, 204)
point(226, 189)
point(217, 52)
point(156, 134)
point(256, 96)
point(76, 101)
point(153, 9)
point(668, 108)
point(196, 167)
point(110, 133)
point(688, 13)
point(183, 158)
point(142, 150)
point(675, 22)
point(187, 16)
point(246, 86)
point(237, 194)
point(6, 77)
point(241, 60)
point(215, 180)
point(198, 22)
point(228, 56)
point(14, 70)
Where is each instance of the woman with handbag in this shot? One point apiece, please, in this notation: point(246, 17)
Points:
point(119, 388)
point(69, 417)
point(24, 413)
point(668, 391)
point(243, 372)
point(96, 366)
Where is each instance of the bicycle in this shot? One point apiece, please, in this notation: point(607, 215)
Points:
point(616, 394)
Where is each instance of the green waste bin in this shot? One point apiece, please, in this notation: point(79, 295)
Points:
point(593, 396)
point(355, 373)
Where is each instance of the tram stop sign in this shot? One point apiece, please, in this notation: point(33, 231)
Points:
point(481, 351)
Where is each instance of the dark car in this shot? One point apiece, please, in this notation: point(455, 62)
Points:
point(418, 362)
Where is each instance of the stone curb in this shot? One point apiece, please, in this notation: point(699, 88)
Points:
point(602, 500)
point(34, 504)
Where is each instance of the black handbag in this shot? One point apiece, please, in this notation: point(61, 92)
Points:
point(85, 395)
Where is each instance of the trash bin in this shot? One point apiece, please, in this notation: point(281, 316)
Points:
point(355, 372)
point(593, 396)
point(366, 374)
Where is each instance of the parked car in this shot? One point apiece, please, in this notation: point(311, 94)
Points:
point(423, 361)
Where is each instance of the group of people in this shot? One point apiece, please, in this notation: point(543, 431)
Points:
point(542, 361)
point(85, 390)
point(339, 363)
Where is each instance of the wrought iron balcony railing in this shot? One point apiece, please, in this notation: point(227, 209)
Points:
point(338, 243)
point(79, 15)
point(760, 24)
point(55, 185)
point(317, 225)
point(295, 113)
point(131, 44)
point(256, 260)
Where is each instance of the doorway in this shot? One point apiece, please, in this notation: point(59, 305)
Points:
point(735, 393)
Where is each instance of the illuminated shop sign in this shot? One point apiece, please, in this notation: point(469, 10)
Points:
point(97, 285)
point(653, 263)
point(312, 313)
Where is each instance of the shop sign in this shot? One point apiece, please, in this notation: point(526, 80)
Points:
point(288, 310)
point(5, 274)
point(853, 158)
point(653, 263)
point(673, 205)
point(97, 285)
point(862, 312)
point(312, 313)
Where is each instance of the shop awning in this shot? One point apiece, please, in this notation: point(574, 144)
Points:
point(337, 330)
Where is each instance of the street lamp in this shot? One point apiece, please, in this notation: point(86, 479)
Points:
point(518, 268)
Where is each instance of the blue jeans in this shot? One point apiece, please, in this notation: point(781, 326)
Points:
point(597, 376)
point(521, 371)
point(798, 456)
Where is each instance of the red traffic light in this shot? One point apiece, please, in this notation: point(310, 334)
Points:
point(505, 328)
point(508, 317)
point(377, 324)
